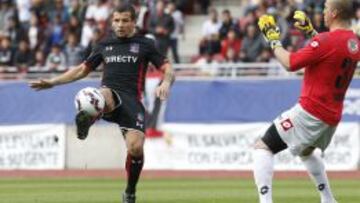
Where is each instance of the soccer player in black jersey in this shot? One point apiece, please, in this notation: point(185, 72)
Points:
point(125, 56)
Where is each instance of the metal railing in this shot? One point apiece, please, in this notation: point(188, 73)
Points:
point(206, 71)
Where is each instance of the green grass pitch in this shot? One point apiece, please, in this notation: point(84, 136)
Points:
point(167, 191)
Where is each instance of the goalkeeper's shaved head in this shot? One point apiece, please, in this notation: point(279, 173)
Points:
point(345, 10)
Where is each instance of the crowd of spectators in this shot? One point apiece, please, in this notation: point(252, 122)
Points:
point(226, 38)
point(54, 35)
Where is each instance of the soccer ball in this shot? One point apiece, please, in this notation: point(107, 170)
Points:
point(90, 100)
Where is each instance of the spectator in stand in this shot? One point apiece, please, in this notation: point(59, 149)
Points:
point(7, 11)
point(265, 56)
point(87, 32)
point(178, 31)
point(74, 26)
point(6, 52)
point(210, 43)
point(40, 9)
point(23, 57)
point(204, 6)
point(39, 63)
point(228, 23)
point(143, 14)
point(161, 25)
point(252, 44)
point(23, 11)
point(248, 19)
point(73, 51)
point(318, 20)
point(99, 11)
point(230, 46)
point(77, 9)
point(310, 5)
point(56, 60)
point(212, 25)
point(211, 46)
point(295, 40)
point(35, 33)
point(60, 11)
point(15, 31)
point(56, 32)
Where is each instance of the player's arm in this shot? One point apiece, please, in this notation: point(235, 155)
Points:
point(283, 57)
point(303, 23)
point(163, 89)
point(71, 75)
point(271, 33)
point(75, 73)
point(163, 64)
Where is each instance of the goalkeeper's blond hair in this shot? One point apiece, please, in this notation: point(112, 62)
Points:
point(344, 7)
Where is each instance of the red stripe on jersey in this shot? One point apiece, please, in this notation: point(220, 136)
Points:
point(140, 82)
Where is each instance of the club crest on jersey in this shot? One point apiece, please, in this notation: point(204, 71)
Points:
point(286, 124)
point(134, 48)
point(314, 44)
point(108, 48)
point(353, 46)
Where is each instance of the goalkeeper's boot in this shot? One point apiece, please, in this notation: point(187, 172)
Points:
point(128, 198)
point(83, 123)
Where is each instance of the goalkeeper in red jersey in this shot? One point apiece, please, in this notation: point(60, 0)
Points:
point(329, 61)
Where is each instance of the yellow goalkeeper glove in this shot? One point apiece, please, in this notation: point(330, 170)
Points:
point(303, 23)
point(270, 30)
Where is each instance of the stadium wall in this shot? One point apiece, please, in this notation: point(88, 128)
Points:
point(213, 121)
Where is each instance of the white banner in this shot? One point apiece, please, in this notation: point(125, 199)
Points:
point(32, 147)
point(229, 147)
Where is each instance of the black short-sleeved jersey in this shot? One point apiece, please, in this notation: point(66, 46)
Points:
point(125, 62)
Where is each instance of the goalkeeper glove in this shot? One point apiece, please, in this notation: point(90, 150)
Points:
point(270, 30)
point(303, 23)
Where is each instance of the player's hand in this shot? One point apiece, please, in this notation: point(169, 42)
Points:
point(163, 90)
point(41, 84)
point(270, 30)
point(303, 23)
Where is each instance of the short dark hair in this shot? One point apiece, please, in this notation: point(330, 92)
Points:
point(126, 8)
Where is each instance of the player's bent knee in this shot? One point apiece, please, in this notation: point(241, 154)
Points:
point(136, 149)
point(109, 100)
point(135, 142)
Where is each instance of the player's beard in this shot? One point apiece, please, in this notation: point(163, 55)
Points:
point(119, 33)
point(123, 33)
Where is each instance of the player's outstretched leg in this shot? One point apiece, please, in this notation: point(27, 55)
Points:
point(316, 169)
point(134, 163)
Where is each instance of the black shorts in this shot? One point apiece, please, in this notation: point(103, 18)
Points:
point(273, 140)
point(129, 112)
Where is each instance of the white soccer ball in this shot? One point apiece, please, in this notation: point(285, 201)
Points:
point(90, 100)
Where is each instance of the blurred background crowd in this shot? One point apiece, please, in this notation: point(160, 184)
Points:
point(54, 35)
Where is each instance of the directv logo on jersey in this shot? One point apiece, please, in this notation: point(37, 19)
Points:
point(121, 59)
